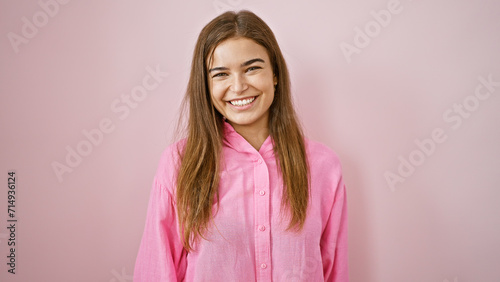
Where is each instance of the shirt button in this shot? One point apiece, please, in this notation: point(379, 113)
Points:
point(263, 266)
point(259, 161)
point(262, 228)
point(262, 192)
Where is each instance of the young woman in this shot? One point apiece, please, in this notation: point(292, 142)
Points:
point(245, 197)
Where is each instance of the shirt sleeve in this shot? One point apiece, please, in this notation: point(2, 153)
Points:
point(161, 255)
point(334, 239)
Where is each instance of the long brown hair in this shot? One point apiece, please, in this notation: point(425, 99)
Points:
point(198, 176)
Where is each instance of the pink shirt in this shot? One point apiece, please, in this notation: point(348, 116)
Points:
point(249, 242)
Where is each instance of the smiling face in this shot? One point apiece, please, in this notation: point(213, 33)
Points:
point(241, 83)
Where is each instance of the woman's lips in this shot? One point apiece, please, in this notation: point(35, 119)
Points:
point(242, 101)
point(243, 104)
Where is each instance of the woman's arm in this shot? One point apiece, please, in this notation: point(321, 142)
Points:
point(334, 239)
point(161, 255)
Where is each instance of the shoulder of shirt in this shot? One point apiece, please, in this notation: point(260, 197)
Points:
point(322, 155)
point(169, 164)
point(171, 152)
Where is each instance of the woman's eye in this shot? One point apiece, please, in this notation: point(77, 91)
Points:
point(219, 74)
point(253, 68)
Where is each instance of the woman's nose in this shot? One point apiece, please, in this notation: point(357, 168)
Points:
point(238, 84)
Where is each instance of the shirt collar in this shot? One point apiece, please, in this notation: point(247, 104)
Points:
point(234, 140)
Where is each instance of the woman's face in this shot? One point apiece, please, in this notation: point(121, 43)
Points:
point(241, 83)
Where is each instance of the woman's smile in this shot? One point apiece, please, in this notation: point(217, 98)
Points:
point(242, 103)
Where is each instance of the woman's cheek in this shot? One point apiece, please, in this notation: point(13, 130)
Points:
point(219, 89)
point(262, 81)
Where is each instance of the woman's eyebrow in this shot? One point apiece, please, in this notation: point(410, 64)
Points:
point(249, 62)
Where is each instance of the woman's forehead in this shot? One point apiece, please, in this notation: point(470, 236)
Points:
point(237, 50)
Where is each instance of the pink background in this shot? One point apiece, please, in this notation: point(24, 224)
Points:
point(440, 222)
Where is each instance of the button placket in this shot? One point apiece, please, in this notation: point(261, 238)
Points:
point(261, 212)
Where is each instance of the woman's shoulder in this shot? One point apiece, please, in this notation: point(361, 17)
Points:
point(320, 154)
point(172, 152)
point(169, 163)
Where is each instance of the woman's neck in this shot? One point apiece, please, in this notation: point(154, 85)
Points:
point(254, 135)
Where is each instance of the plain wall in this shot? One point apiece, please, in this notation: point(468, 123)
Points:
point(399, 95)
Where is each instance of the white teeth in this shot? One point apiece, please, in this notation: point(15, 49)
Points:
point(243, 102)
